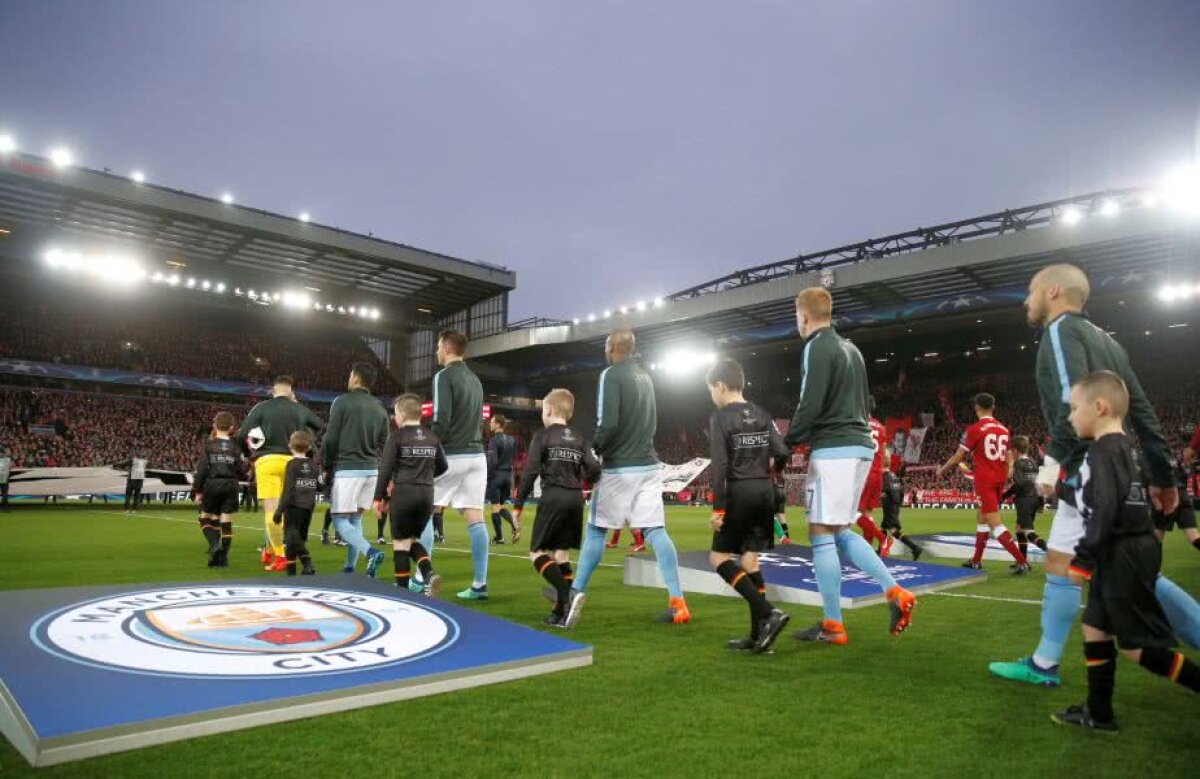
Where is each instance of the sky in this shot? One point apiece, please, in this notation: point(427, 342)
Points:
point(612, 151)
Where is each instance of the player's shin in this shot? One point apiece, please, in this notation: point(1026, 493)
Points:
point(544, 564)
point(401, 561)
point(590, 553)
point(1181, 609)
point(1060, 607)
point(828, 569)
point(1173, 666)
point(740, 581)
point(420, 555)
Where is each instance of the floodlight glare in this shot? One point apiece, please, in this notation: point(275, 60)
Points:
point(7, 144)
point(304, 216)
point(220, 287)
point(658, 302)
point(1182, 190)
point(227, 198)
point(138, 177)
point(1072, 215)
point(1110, 208)
point(641, 305)
point(191, 283)
point(61, 157)
point(173, 279)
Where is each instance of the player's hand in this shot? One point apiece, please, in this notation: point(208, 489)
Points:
point(1189, 456)
point(1047, 478)
point(1165, 499)
point(378, 508)
point(717, 521)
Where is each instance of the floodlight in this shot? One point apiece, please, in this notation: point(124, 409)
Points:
point(138, 177)
point(61, 157)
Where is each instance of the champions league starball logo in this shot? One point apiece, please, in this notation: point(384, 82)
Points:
point(244, 632)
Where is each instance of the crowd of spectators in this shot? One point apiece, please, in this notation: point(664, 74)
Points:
point(203, 343)
point(50, 428)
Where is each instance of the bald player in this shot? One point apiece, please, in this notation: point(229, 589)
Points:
point(630, 485)
point(1072, 347)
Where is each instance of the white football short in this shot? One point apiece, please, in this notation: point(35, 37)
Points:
point(834, 487)
point(352, 491)
point(1066, 529)
point(632, 495)
point(464, 484)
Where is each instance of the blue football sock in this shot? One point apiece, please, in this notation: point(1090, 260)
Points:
point(828, 568)
point(349, 527)
point(1060, 607)
point(479, 553)
point(859, 553)
point(590, 553)
point(1182, 611)
point(667, 559)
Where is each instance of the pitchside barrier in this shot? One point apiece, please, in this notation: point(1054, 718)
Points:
point(961, 546)
point(86, 671)
point(790, 577)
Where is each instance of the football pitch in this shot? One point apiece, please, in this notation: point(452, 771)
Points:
point(659, 700)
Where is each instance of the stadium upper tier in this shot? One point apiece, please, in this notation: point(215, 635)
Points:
point(200, 341)
point(1126, 241)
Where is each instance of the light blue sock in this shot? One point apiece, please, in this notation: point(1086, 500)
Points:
point(1182, 611)
point(859, 553)
point(667, 559)
point(828, 569)
point(1060, 607)
point(479, 553)
point(426, 539)
point(342, 523)
point(590, 553)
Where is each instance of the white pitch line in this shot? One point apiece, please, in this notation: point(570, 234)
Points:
point(143, 515)
point(986, 597)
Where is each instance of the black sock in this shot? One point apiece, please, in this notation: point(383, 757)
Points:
point(783, 526)
point(402, 562)
point(496, 524)
point(437, 523)
point(1101, 657)
point(567, 572)
point(1033, 539)
point(506, 515)
point(328, 521)
point(226, 537)
point(1196, 543)
point(909, 543)
point(1172, 665)
point(760, 584)
point(545, 565)
point(291, 566)
point(739, 580)
point(420, 556)
point(212, 533)
point(379, 522)
point(1022, 543)
point(305, 561)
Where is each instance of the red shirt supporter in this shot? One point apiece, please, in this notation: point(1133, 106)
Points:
point(987, 443)
point(873, 488)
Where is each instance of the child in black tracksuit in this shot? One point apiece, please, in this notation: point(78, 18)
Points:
point(892, 501)
point(215, 485)
point(564, 460)
point(1119, 556)
point(744, 443)
point(301, 483)
point(412, 458)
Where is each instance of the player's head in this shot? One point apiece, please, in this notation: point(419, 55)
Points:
point(300, 443)
point(1021, 445)
point(558, 404)
point(814, 310)
point(452, 346)
point(282, 386)
point(985, 404)
point(1099, 401)
point(362, 376)
point(498, 423)
point(408, 409)
point(223, 422)
point(619, 345)
point(1054, 290)
point(725, 380)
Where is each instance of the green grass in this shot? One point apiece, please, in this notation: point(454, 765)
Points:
point(660, 700)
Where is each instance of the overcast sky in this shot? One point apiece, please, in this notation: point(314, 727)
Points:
point(610, 151)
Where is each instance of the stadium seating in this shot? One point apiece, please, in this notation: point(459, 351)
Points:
point(200, 342)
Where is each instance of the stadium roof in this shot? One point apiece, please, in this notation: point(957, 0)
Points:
point(40, 203)
point(1118, 237)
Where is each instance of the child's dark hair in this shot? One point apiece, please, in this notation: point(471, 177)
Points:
point(728, 372)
